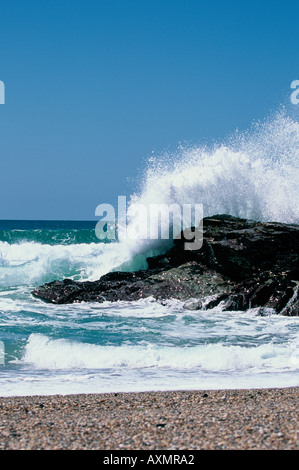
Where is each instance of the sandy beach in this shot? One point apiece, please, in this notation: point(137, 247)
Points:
point(193, 420)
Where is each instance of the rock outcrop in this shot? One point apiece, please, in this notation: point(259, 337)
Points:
point(242, 264)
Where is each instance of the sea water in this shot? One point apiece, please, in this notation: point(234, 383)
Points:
point(147, 345)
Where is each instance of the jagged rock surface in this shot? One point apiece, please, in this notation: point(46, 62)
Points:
point(242, 264)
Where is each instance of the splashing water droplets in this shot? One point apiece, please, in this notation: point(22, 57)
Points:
point(254, 175)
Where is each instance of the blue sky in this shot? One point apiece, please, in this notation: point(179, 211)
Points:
point(94, 87)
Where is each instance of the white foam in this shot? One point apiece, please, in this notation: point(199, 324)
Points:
point(45, 353)
point(33, 263)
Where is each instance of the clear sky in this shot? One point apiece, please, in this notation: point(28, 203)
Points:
point(92, 88)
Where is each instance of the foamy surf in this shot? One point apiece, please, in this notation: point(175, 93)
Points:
point(43, 353)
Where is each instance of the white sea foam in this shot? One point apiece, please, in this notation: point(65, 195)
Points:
point(32, 263)
point(60, 354)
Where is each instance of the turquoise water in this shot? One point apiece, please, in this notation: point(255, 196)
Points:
point(47, 232)
point(125, 346)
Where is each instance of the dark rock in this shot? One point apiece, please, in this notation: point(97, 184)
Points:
point(195, 305)
point(236, 302)
point(292, 307)
point(242, 264)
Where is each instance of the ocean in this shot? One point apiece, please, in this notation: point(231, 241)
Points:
point(145, 345)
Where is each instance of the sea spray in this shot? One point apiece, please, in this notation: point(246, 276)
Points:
point(253, 175)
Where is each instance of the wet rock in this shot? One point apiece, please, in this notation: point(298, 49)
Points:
point(236, 302)
point(292, 307)
point(195, 305)
point(242, 264)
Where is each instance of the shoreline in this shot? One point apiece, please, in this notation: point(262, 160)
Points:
point(233, 419)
